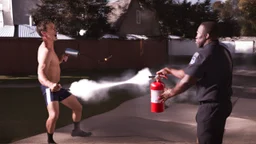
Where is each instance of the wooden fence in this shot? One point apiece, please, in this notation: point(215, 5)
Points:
point(19, 56)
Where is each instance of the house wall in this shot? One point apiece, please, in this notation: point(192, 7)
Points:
point(7, 11)
point(21, 10)
point(243, 52)
point(148, 23)
point(1, 16)
point(181, 47)
point(185, 47)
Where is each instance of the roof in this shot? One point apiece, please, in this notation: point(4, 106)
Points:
point(7, 31)
point(119, 7)
point(25, 31)
point(242, 38)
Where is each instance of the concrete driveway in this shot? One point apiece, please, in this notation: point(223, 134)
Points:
point(132, 121)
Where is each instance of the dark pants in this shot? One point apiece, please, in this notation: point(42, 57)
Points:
point(211, 120)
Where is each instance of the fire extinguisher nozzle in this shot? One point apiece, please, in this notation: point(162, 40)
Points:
point(152, 76)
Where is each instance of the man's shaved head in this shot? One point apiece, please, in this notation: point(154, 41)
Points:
point(210, 28)
point(207, 31)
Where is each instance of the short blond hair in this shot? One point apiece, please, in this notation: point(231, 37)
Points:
point(41, 26)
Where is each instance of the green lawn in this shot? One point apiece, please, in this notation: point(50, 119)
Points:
point(23, 111)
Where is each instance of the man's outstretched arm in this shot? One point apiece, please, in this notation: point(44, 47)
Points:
point(177, 73)
point(184, 84)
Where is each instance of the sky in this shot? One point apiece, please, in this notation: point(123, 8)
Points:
point(193, 1)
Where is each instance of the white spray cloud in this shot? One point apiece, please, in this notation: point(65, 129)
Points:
point(96, 91)
point(200, 1)
point(89, 90)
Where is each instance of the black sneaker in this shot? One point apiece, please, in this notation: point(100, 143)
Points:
point(51, 142)
point(80, 133)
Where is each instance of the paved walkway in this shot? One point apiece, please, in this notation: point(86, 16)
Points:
point(132, 122)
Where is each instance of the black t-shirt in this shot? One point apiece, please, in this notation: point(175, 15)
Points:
point(213, 67)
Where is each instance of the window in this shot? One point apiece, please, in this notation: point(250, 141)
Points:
point(138, 17)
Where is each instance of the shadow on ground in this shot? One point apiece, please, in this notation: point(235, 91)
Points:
point(23, 112)
point(111, 130)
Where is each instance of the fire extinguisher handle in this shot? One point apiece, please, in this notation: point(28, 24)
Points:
point(156, 77)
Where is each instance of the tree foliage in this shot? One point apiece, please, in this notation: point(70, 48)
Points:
point(70, 16)
point(227, 17)
point(247, 10)
point(176, 18)
point(181, 18)
point(238, 19)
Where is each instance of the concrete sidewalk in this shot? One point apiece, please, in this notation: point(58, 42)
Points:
point(132, 122)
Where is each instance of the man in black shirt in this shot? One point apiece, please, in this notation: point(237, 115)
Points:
point(210, 69)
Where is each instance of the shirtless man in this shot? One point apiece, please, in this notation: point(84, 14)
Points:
point(49, 77)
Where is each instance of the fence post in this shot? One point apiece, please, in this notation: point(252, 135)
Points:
point(254, 46)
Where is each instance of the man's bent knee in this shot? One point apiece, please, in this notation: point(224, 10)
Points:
point(78, 108)
point(73, 103)
point(53, 116)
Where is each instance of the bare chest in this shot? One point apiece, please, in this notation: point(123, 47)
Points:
point(54, 59)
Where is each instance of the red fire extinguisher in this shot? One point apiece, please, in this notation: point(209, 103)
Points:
point(156, 89)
